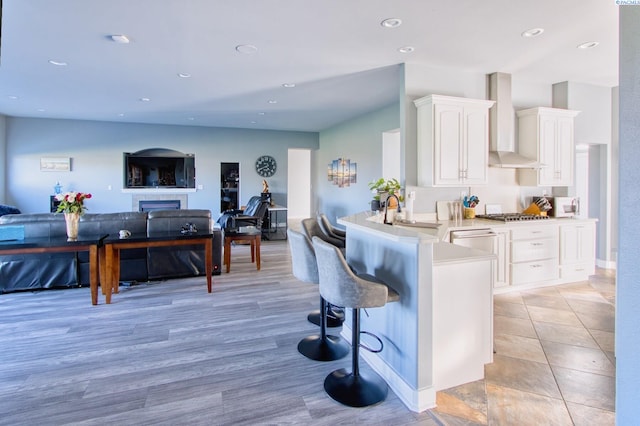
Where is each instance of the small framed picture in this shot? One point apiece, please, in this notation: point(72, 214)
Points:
point(55, 164)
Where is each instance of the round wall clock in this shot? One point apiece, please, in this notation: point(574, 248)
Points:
point(266, 166)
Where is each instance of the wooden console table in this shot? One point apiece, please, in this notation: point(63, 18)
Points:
point(61, 245)
point(110, 253)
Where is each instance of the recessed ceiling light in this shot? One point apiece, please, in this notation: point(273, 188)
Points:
point(533, 32)
point(58, 63)
point(273, 101)
point(261, 113)
point(289, 85)
point(391, 22)
point(121, 114)
point(119, 38)
point(247, 49)
point(184, 75)
point(191, 118)
point(254, 122)
point(12, 97)
point(144, 99)
point(41, 110)
point(406, 49)
point(588, 45)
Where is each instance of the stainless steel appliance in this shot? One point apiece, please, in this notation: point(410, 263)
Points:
point(480, 239)
point(565, 207)
point(511, 217)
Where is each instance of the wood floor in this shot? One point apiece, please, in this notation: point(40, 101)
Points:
point(170, 353)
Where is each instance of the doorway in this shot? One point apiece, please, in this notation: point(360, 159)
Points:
point(299, 184)
point(391, 155)
point(229, 186)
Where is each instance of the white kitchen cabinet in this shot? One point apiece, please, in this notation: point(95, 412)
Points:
point(534, 254)
point(453, 141)
point(546, 134)
point(577, 250)
point(503, 258)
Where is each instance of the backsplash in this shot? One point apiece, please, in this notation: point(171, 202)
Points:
point(502, 189)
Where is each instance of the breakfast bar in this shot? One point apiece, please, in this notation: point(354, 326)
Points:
point(440, 333)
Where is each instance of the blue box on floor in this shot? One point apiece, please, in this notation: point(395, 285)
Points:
point(11, 232)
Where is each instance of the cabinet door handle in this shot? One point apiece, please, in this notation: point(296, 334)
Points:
point(536, 244)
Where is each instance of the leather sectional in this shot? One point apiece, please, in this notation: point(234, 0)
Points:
point(63, 270)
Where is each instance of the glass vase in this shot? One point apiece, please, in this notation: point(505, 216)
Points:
point(72, 220)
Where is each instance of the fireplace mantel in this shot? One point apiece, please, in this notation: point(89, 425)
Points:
point(158, 190)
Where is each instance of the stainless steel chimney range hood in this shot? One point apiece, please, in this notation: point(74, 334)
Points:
point(502, 151)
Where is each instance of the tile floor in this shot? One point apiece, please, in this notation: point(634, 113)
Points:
point(554, 360)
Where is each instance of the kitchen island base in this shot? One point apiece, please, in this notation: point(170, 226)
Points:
point(440, 333)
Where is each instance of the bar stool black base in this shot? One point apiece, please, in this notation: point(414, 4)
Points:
point(332, 320)
point(329, 349)
point(355, 391)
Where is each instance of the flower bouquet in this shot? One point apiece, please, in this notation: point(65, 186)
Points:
point(72, 205)
point(72, 202)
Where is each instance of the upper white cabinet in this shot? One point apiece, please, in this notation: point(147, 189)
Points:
point(453, 141)
point(546, 134)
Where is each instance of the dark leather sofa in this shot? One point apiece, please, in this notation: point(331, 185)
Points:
point(41, 271)
point(35, 271)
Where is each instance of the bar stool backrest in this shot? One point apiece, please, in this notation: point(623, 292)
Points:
point(311, 228)
point(303, 258)
point(339, 285)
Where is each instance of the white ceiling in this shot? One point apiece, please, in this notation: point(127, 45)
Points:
point(335, 51)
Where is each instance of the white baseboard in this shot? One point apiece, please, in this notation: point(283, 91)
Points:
point(606, 264)
point(416, 400)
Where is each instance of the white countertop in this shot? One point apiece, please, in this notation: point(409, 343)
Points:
point(371, 221)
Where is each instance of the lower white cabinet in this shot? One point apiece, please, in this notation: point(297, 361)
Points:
point(577, 250)
point(534, 254)
point(504, 258)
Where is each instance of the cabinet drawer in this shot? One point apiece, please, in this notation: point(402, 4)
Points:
point(540, 270)
point(537, 232)
point(528, 250)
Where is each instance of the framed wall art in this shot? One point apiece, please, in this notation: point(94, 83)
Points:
point(342, 172)
point(55, 164)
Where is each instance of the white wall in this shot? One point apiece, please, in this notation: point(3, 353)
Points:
point(96, 151)
point(359, 140)
point(3, 159)
point(628, 290)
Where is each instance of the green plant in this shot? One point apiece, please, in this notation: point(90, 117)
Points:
point(388, 186)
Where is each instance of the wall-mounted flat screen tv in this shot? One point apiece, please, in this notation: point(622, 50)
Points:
point(159, 168)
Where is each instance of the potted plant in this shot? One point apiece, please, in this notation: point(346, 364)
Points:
point(382, 188)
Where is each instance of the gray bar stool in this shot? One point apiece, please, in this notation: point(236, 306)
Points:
point(341, 287)
point(304, 266)
point(311, 228)
point(330, 230)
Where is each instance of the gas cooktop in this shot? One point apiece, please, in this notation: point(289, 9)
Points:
point(511, 217)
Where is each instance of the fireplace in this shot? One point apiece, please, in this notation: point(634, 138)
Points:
point(155, 201)
point(148, 205)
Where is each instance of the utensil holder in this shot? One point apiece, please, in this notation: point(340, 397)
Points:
point(469, 212)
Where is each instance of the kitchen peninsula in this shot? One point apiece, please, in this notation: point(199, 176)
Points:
point(440, 333)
